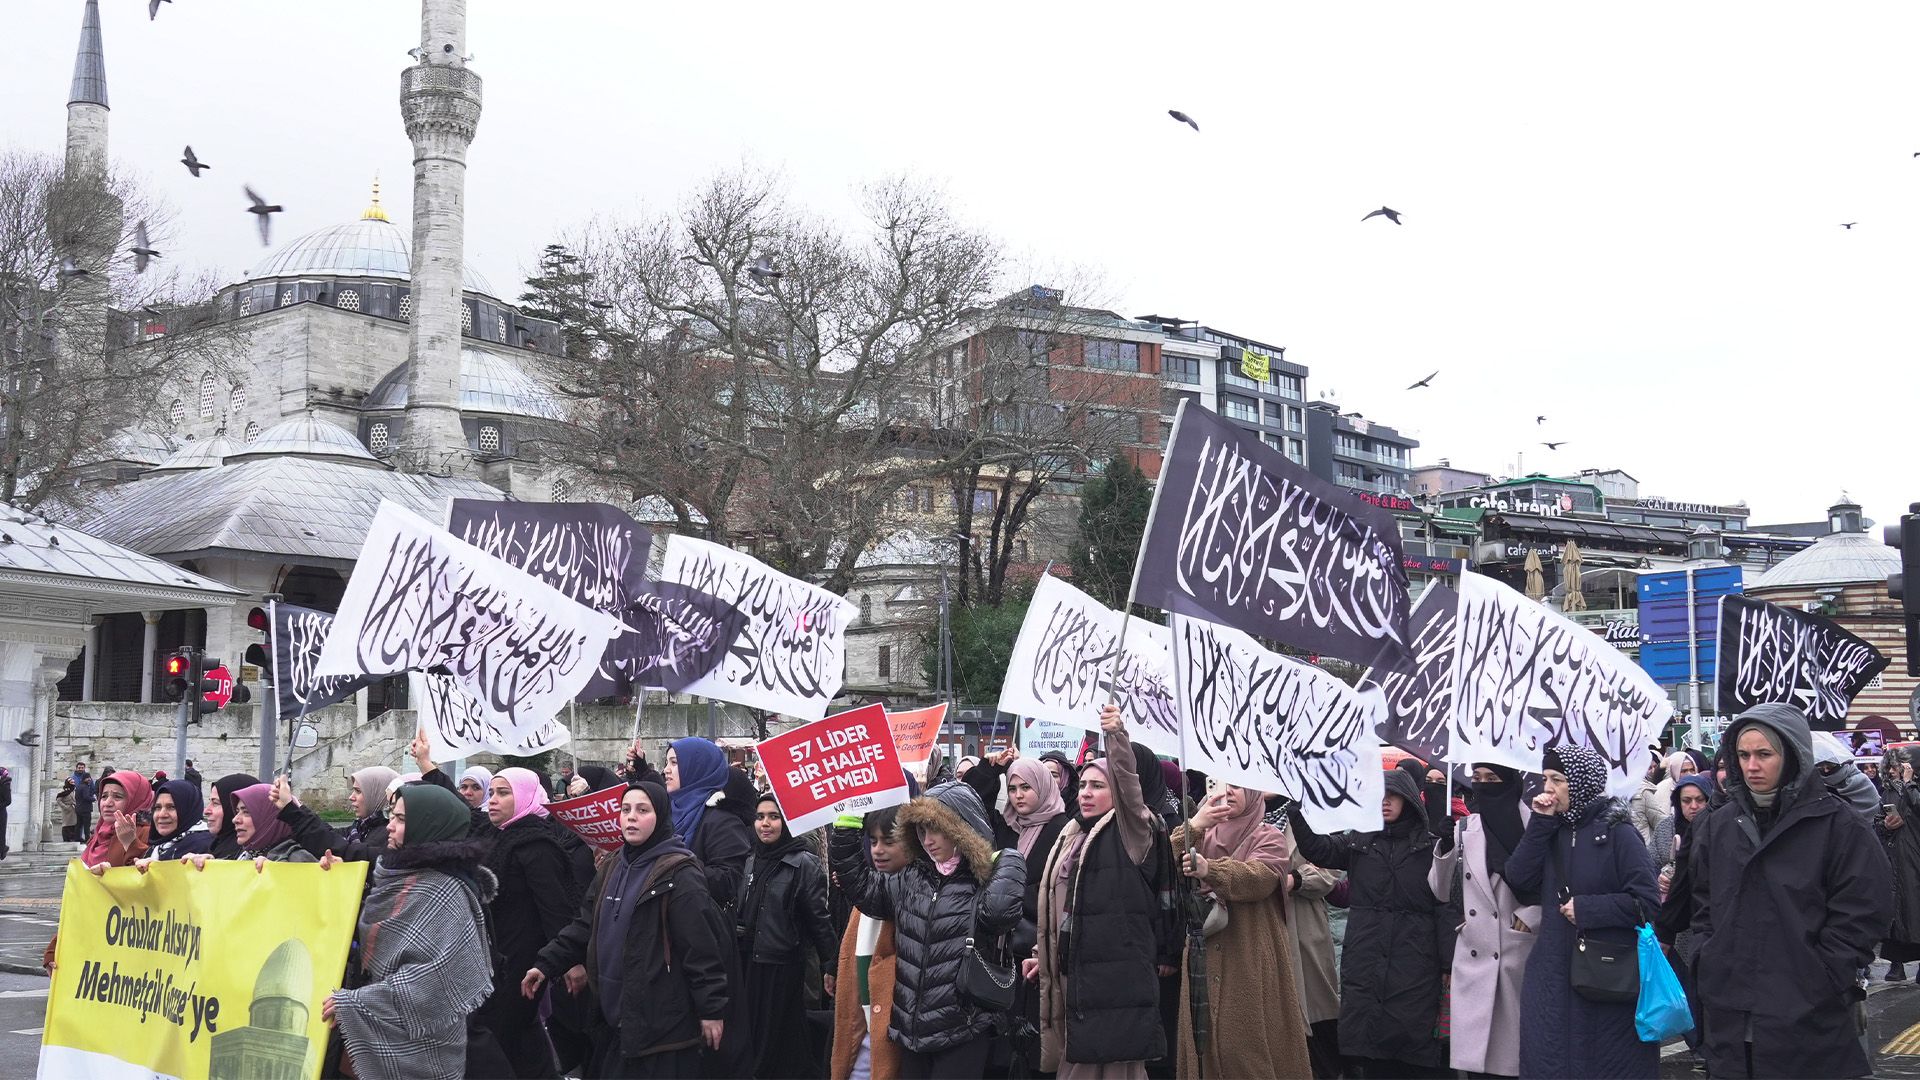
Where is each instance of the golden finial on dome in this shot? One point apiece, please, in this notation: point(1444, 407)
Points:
point(373, 212)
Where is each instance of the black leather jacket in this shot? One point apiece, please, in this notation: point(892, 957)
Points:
point(792, 915)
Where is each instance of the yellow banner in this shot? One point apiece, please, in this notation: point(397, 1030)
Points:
point(188, 973)
point(1255, 365)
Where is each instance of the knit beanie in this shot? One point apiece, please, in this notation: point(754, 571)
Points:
point(433, 814)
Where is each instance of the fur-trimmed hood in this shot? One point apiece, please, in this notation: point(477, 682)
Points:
point(955, 811)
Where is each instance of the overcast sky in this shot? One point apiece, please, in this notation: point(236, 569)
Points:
point(1623, 216)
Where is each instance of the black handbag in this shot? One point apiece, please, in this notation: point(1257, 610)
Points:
point(1606, 972)
point(987, 985)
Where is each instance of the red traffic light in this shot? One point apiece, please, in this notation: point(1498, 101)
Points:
point(176, 665)
point(257, 619)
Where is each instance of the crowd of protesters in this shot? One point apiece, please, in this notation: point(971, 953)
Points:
point(1110, 916)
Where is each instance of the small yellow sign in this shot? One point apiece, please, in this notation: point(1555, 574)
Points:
point(1255, 365)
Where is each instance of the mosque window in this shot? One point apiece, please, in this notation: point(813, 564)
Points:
point(349, 299)
point(177, 411)
point(406, 306)
point(246, 303)
point(562, 491)
point(500, 327)
point(253, 432)
point(287, 298)
point(206, 393)
point(866, 609)
point(237, 401)
point(377, 438)
point(466, 319)
point(489, 439)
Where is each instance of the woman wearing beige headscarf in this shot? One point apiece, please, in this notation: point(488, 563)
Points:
point(1241, 862)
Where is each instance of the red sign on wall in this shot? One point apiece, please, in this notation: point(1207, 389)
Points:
point(224, 694)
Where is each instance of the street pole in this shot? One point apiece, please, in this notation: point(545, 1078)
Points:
point(270, 731)
point(1693, 656)
point(187, 705)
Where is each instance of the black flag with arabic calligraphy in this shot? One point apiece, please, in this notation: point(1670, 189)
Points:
point(1241, 535)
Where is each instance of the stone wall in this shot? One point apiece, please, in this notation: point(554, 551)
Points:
point(133, 736)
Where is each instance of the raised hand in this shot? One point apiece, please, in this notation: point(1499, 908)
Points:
point(1110, 721)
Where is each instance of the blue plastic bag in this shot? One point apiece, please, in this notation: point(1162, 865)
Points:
point(1662, 1012)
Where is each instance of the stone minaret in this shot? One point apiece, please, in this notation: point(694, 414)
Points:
point(440, 101)
point(87, 102)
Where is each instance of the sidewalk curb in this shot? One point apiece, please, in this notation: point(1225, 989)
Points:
point(12, 968)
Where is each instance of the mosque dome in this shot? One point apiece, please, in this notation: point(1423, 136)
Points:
point(307, 436)
point(197, 454)
point(489, 383)
point(370, 247)
point(284, 985)
point(1842, 558)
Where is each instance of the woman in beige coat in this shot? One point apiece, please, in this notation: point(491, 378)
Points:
point(1497, 931)
point(1258, 1028)
point(1314, 972)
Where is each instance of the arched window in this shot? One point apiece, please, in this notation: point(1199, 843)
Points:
point(177, 411)
point(349, 299)
point(287, 298)
point(246, 303)
point(489, 439)
point(500, 327)
point(406, 306)
point(562, 491)
point(377, 438)
point(206, 394)
point(466, 319)
point(866, 609)
point(253, 432)
point(237, 401)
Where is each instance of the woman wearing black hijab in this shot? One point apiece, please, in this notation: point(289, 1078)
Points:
point(1064, 774)
point(781, 914)
point(652, 942)
point(220, 814)
point(1498, 923)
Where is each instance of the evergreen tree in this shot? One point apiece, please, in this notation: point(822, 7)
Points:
point(1113, 518)
point(560, 292)
point(983, 639)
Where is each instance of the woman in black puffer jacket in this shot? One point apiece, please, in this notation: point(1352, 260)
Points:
point(957, 888)
point(1398, 942)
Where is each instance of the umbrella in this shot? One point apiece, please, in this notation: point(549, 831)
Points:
point(1536, 577)
point(1570, 571)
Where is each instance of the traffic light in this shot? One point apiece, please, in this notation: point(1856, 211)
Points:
point(179, 669)
point(206, 683)
point(1905, 585)
point(256, 655)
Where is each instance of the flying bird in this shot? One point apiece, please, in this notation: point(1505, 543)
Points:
point(194, 164)
point(763, 272)
point(1554, 445)
point(1428, 381)
point(142, 250)
point(1848, 224)
point(153, 8)
point(1539, 420)
point(1183, 118)
point(1387, 212)
point(264, 211)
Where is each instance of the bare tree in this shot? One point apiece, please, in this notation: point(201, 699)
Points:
point(88, 344)
point(780, 383)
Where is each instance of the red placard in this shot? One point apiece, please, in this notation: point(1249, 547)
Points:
point(844, 764)
point(594, 817)
point(914, 732)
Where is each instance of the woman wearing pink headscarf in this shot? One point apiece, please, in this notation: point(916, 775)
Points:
point(126, 798)
point(1241, 863)
point(1036, 813)
point(537, 898)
